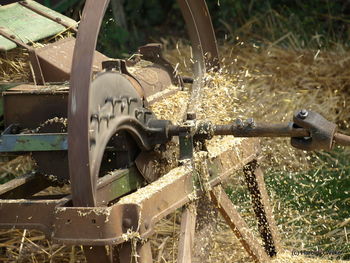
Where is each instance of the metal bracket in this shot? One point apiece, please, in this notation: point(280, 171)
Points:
point(322, 131)
point(187, 131)
point(33, 142)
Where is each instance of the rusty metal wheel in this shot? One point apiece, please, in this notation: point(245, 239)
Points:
point(86, 146)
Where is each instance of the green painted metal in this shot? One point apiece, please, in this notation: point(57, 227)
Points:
point(128, 180)
point(33, 142)
point(186, 146)
point(28, 25)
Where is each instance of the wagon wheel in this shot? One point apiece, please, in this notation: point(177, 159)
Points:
point(86, 149)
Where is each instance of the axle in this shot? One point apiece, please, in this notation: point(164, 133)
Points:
point(308, 133)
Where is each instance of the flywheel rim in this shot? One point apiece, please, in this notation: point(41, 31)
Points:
point(82, 169)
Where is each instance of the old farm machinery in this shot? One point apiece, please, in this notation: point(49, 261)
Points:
point(106, 151)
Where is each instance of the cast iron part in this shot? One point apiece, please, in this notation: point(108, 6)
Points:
point(321, 131)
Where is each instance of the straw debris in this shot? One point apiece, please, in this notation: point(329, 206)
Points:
point(267, 83)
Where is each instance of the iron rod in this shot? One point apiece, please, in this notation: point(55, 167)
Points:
point(261, 130)
point(342, 139)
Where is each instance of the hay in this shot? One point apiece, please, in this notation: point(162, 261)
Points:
point(268, 84)
point(14, 64)
point(16, 167)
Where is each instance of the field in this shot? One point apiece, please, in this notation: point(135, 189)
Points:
point(267, 79)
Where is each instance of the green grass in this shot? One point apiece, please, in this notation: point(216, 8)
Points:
point(312, 208)
point(317, 24)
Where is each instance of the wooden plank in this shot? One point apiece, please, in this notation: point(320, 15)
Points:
point(254, 178)
point(238, 225)
point(27, 25)
point(188, 225)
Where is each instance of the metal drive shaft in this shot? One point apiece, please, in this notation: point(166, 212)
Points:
point(272, 130)
point(260, 130)
point(207, 130)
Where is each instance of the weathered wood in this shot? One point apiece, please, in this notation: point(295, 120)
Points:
point(27, 25)
point(188, 225)
point(266, 223)
point(238, 225)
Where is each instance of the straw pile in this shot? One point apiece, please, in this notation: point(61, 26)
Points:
point(267, 83)
point(14, 64)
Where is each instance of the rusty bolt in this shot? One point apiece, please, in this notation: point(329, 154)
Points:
point(24, 2)
point(58, 19)
point(122, 106)
point(131, 100)
point(303, 114)
point(109, 100)
point(190, 116)
point(138, 113)
point(13, 36)
point(251, 123)
point(239, 123)
point(94, 117)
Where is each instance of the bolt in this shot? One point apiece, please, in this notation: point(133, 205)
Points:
point(105, 117)
point(92, 142)
point(109, 99)
point(13, 36)
point(24, 2)
point(303, 114)
point(132, 100)
point(58, 19)
point(138, 113)
point(251, 123)
point(122, 106)
point(190, 116)
point(239, 123)
point(94, 117)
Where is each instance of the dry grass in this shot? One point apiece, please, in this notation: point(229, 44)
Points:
point(265, 83)
point(14, 64)
point(15, 167)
